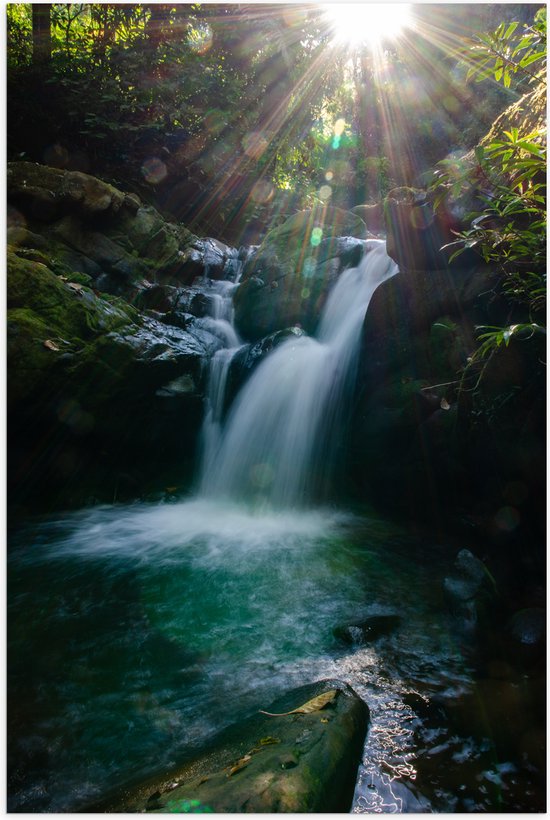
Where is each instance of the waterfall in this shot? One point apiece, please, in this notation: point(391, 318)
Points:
point(279, 440)
point(220, 323)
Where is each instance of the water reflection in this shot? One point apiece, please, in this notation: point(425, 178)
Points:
point(137, 632)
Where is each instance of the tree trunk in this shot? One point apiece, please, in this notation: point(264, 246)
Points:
point(41, 33)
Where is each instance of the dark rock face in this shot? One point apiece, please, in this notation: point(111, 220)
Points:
point(418, 441)
point(415, 233)
point(287, 280)
point(108, 337)
point(95, 387)
point(248, 357)
point(292, 763)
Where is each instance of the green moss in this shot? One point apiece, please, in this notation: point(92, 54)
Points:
point(297, 239)
point(55, 325)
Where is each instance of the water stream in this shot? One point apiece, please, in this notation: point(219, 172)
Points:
point(279, 440)
point(137, 632)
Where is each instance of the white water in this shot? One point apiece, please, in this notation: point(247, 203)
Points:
point(137, 632)
point(278, 443)
point(220, 323)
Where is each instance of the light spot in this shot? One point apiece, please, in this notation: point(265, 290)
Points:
point(339, 127)
point(507, 519)
point(254, 144)
point(316, 236)
point(308, 268)
point(329, 176)
point(154, 170)
point(324, 193)
point(56, 156)
point(262, 191)
point(200, 38)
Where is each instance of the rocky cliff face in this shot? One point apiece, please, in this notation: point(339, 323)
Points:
point(107, 339)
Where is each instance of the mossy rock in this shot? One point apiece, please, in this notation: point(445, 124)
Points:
point(51, 191)
point(287, 281)
point(49, 321)
point(288, 763)
point(298, 237)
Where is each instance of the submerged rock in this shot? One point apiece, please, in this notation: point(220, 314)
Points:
point(468, 590)
point(369, 630)
point(288, 763)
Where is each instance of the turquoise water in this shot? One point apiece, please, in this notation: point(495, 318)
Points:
point(136, 632)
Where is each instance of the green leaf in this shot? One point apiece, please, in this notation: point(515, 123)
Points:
point(510, 30)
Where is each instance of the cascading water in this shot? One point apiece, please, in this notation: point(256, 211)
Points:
point(281, 433)
point(221, 324)
point(147, 628)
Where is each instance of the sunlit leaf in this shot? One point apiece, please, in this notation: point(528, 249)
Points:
point(313, 705)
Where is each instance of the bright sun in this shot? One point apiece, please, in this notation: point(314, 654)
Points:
point(367, 24)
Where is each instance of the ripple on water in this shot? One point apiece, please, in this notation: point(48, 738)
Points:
point(144, 629)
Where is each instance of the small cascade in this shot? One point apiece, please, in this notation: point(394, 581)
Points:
point(219, 323)
point(279, 440)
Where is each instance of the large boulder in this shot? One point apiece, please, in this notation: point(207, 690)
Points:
point(287, 280)
point(94, 386)
point(92, 227)
point(417, 231)
point(290, 763)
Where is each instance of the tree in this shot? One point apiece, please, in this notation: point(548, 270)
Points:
point(41, 33)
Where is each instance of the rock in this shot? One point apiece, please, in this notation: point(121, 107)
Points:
point(416, 232)
point(368, 631)
point(50, 192)
point(372, 215)
point(526, 637)
point(528, 626)
point(468, 590)
point(95, 228)
point(287, 280)
point(248, 357)
point(296, 763)
point(95, 387)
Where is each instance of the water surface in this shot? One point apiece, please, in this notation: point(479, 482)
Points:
point(136, 632)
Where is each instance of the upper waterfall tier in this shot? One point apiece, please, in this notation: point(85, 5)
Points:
point(281, 436)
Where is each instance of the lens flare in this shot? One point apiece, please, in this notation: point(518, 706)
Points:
point(367, 24)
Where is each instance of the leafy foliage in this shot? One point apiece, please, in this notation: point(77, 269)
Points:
point(237, 106)
point(510, 52)
point(508, 179)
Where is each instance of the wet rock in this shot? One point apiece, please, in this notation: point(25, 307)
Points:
point(294, 763)
point(287, 280)
point(248, 357)
point(416, 231)
point(87, 374)
point(526, 637)
point(468, 591)
point(372, 215)
point(368, 631)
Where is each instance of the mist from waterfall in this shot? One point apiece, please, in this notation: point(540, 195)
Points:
point(278, 443)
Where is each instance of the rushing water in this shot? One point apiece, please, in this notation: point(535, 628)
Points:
point(279, 440)
point(137, 632)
